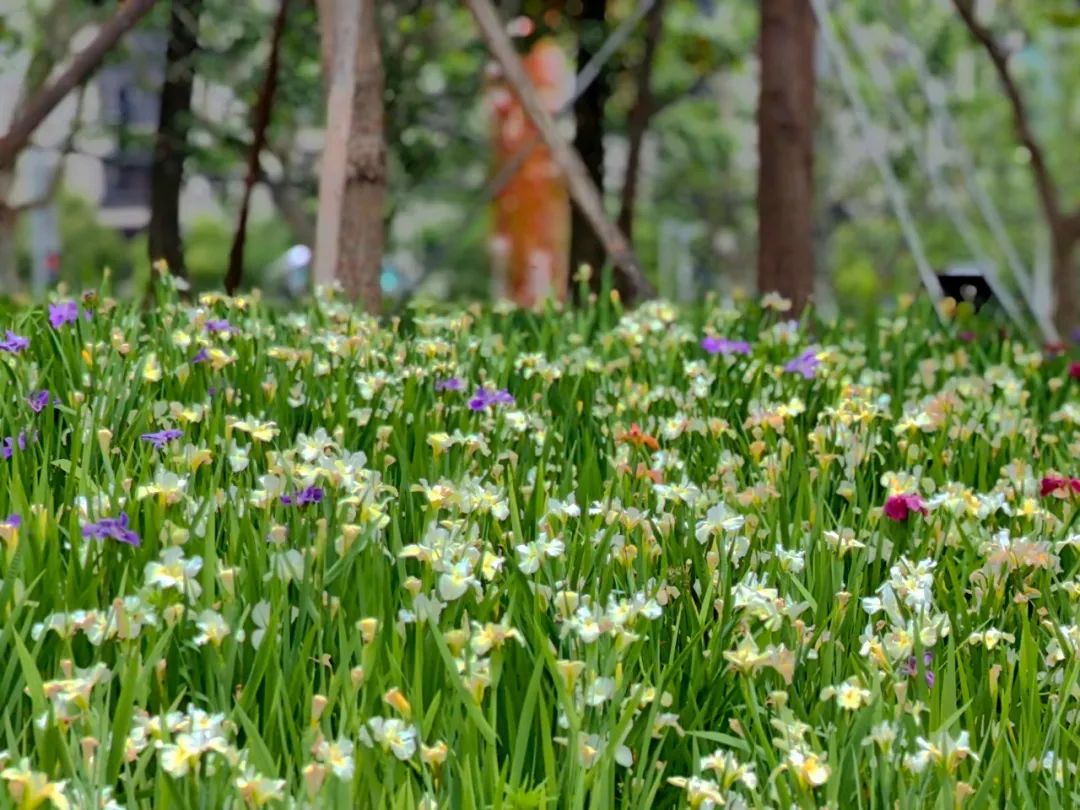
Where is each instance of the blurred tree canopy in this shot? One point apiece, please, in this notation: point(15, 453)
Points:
point(699, 166)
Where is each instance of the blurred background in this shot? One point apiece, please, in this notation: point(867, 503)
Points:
point(668, 129)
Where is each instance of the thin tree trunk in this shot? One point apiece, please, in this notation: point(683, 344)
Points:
point(785, 147)
point(1066, 310)
point(260, 121)
point(171, 146)
point(585, 245)
point(86, 62)
point(361, 238)
point(640, 116)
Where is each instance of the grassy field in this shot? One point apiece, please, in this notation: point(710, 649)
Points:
point(485, 559)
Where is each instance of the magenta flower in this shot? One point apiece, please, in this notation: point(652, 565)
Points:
point(112, 528)
point(1059, 485)
point(13, 344)
point(805, 364)
point(723, 346)
point(898, 507)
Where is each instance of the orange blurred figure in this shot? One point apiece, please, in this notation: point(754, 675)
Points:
point(531, 219)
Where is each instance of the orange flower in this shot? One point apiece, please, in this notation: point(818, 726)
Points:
point(638, 438)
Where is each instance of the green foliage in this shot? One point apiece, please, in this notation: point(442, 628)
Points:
point(657, 574)
point(86, 246)
point(207, 243)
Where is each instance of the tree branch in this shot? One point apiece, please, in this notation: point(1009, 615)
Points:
point(260, 121)
point(65, 149)
point(39, 107)
point(1048, 195)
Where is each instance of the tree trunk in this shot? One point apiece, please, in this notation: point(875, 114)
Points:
point(352, 175)
point(361, 238)
point(1066, 309)
point(785, 149)
point(640, 115)
point(171, 146)
point(585, 245)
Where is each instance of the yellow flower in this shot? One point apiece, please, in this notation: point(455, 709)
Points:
point(177, 758)
point(257, 790)
point(219, 359)
point(395, 698)
point(151, 369)
point(259, 431)
point(31, 789)
point(809, 768)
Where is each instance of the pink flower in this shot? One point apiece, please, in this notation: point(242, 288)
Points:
point(898, 507)
point(1074, 371)
point(1054, 484)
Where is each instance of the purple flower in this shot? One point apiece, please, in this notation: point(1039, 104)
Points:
point(201, 356)
point(37, 401)
point(217, 325)
point(449, 384)
point(162, 437)
point(304, 497)
point(715, 345)
point(14, 521)
point(115, 528)
point(7, 447)
point(13, 344)
point(805, 364)
point(484, 398)
point(1075, 335)
point(65, 312)
point(911, 667)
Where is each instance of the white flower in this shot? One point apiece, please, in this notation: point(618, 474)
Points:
point(454, 583)
point(174, 571)
point(600, 691)
point(339, 756)
point(213, 628)
point(286, 566)
point(393, 735)
point(718, 519)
